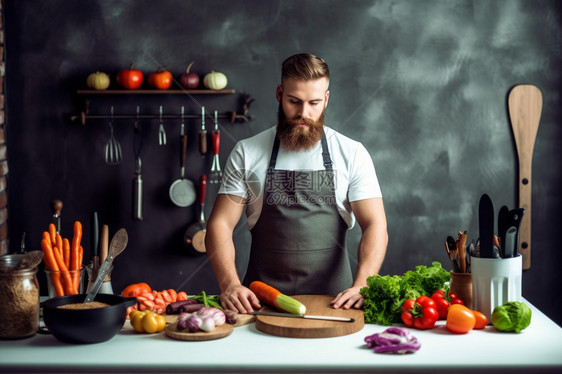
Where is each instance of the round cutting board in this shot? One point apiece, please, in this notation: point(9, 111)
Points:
point(311, 328)
point(217, 333)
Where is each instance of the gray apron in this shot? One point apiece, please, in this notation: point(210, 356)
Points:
point(298, 241)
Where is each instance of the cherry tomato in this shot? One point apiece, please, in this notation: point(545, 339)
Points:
point(457, 301)
point(460, 319)
point(481, 319)
point(438, 293)
point(453, 295)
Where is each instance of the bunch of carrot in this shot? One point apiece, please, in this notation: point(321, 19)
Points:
point(62, 257)
point(157, 301)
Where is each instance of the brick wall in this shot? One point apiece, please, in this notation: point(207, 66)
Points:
point(3, 153)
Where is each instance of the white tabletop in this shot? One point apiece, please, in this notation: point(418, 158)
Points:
point(539, 347)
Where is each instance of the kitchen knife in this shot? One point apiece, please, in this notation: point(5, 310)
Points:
point(515, 217)
point(503, 225)
point(510, 245)
point(486, 226)
point(305, 316)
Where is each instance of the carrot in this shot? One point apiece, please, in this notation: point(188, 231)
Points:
point(47, 236)
point(274, 297)
point(65, 250)
point(75, 248)
point(51, 264)
point(265, 292)
point(66, 280)
point(53, 233)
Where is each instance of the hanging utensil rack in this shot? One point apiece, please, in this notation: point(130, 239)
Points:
point(234, 116)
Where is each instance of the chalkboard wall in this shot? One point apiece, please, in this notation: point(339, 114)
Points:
point(423, 84)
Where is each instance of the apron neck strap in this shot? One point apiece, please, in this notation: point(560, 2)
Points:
point(325, 153)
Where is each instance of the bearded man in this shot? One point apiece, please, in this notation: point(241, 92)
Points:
point(302, 185)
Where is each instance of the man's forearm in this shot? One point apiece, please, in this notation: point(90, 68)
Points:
point(370, 254)
point(221, 254)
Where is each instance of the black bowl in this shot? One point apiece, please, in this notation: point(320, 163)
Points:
point(86, 325)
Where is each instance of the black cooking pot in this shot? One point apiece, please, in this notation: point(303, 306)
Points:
point(86, 325)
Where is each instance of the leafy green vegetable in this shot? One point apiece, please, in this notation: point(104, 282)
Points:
point(385, 294)
point(511, 316)
point(208, 301)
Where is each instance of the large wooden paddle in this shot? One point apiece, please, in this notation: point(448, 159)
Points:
point(525, 106)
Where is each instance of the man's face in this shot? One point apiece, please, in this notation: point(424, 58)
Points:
point(301, 112)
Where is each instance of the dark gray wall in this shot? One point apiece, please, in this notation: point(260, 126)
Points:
point(423, 84)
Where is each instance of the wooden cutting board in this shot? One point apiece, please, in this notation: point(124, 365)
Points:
point(309, 328)
point(219, 332)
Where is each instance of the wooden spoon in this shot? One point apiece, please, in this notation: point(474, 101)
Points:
point(525, 106)
point(117, 245)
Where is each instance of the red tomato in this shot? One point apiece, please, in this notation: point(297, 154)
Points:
point(460, 319)
point(481, 320)
point(162, 80)
point(420, 313)
point(130, 79)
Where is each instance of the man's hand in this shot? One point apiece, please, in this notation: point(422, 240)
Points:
point(350, 298)
point(239, 299)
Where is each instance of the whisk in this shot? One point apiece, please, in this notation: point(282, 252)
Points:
point(113, 153)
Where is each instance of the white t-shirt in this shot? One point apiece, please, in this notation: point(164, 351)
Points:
point(246, 168)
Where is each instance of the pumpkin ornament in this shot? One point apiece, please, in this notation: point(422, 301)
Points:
point(98, 81)
point(161, 80)
point(215, 80)
point(130, 79)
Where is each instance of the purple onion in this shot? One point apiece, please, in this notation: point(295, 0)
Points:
point(393, 340)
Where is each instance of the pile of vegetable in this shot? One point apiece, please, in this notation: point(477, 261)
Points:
point(151, 300)
point(385, 295)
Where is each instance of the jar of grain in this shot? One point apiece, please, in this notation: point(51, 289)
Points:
point(19, 299)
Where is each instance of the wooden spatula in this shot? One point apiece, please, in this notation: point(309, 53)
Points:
point(525, 106)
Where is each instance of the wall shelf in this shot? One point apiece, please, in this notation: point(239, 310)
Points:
point(233, 117)
point(157, 92)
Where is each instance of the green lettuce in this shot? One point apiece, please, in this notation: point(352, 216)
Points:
point(385, 294)
point(511, 316)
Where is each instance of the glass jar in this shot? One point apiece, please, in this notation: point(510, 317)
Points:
point(19, 299)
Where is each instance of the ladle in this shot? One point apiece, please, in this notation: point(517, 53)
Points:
point(117, 245)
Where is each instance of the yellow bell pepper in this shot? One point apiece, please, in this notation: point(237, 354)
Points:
point(147, 321)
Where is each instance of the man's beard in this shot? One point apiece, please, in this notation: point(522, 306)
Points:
point(295, 137)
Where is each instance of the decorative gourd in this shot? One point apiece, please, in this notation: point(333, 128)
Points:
point(215, 80)
point(98, 81)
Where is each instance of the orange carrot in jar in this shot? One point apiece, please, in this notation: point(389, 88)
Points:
point(66, 280)
point(53, 234)
point(65, 245)
point(75, 247)
point(51, 264)
point(47, 236)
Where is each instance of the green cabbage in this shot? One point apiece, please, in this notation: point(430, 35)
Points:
point(384, 295)
point(511, 316)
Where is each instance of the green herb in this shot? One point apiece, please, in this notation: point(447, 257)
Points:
point(385, 294)
point(208, 301)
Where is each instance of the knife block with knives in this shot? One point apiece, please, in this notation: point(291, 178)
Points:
point(509, 223)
